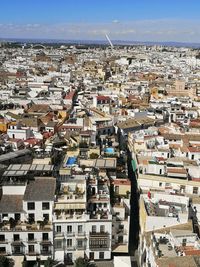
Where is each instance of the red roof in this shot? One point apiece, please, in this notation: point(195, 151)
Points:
point(32, 141)
point(192, 252)
point(176, 170)
point(102, 97)
point(194, 149)
point(122, 182)
point(70, 95)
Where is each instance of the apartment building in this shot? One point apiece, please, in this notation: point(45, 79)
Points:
point(26, 209)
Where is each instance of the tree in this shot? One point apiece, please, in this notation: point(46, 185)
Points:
point(81, 262)
point(94, 156)
point(51, 263)
point(6, 262)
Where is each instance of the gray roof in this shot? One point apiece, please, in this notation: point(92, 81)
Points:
point(106, 163)
point(41, 189)
point(15, 154)
point(30, 167)
point(11, 204)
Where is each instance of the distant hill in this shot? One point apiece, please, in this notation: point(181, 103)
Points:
point(98, 42)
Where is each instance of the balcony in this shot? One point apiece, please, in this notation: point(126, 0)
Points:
point(83, 247)
point(99, 247)
point(83, 145)
point(46, 242)
point(70, 234)
point(17, 242)
point(46, 252)
point(3, 241)
point(99, 234)
point(81, 234)
point(70, 248)
point(33, 253)
point(25, 226)
point(60, 234)
point(31, 240)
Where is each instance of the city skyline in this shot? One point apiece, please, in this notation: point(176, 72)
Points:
point(123, 20)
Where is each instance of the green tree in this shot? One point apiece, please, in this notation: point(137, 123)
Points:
point(6, 262)
point(94, 156)
point(81, 262)
point(50, 263)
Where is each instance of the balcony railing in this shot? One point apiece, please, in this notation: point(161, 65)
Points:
point(97, 234)
point(3, 241)
point(81, 233)
point(99, 247)
point(33, 253)
point(83, 247)
point(70, 247)
point(70, 233)
point(31, 240)
point(46, 252)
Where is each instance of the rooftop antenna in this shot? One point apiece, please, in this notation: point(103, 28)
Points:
point(109, 41)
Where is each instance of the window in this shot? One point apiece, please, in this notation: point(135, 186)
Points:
point(117, 189)
point(160, 184)
point(16, 237)
point(46, 217)
point(30, 237)
point(94, 228)
point(80, 228)
point(98, 243)
point(45, 205)
point(105, 205)
point(4, 215)
point(195, 190)
point(184, 242)
point(58, 229)
point(45, 236)
point(31, 217)
point(17, 216)
point(102, 228)
point(182, 188)
point(69, 229)
point(2, 250)
point(31, 248)
point(58, 244)
point(45, 249)
point(101, 255)
point(69, 257)
point(69, 243)
point(31, 205)
point(167, 184)
point(17, 250)
point(91, 255)
point(79, 243)
point(2, 237)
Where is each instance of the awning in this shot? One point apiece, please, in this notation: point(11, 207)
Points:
point(43, 258)
point(59, 237)
point(73, 206)
point(134, 166)
point(31, 258)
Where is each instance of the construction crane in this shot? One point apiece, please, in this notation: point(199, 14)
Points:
point(109, 41)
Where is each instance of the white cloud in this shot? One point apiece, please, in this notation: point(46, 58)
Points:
point(138, 30)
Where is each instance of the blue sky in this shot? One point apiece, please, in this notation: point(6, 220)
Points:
point(144, 20)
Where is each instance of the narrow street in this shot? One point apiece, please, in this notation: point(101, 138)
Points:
point(134, 214)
